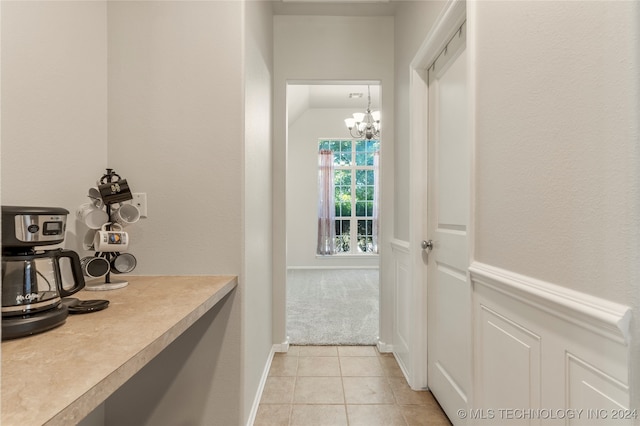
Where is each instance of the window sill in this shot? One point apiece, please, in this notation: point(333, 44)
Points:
point(350, 256)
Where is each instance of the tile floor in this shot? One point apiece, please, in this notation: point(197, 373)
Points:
point(342, 385)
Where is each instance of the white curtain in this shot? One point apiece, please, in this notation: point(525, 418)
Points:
point(376, 200)
point(326, 204)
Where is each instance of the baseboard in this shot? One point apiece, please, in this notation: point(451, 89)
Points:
point(282, 347)
point(384, 348)
point(263, 381)
point(336, 267)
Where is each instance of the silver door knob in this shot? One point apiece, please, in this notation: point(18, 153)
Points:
point(427, 245)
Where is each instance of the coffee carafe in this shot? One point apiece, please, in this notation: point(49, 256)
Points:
point(33, 282)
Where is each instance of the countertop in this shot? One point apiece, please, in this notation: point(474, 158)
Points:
point(60, 376)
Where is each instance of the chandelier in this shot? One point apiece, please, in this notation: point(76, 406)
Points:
point(365, 125)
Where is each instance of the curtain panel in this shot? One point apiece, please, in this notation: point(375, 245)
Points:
point(326, 204)
point(376, 201)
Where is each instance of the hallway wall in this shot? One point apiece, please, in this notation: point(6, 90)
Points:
point(556, 136)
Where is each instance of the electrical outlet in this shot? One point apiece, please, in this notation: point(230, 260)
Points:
point(140, 201)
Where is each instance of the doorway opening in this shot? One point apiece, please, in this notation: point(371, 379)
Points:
point(333, 295)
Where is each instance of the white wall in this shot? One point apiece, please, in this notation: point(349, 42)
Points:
point(257, 205)
point(159, 91)
point(414, 19)
point(327, 48)
point(54, 94)
point(302, 188)
point(175, 130)
point(556, 136)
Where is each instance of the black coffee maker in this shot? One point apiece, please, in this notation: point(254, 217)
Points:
point(34, 282)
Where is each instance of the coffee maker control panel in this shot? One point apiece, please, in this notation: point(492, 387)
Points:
point(32, 226)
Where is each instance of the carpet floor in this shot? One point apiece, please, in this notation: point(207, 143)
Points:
point(333, 306)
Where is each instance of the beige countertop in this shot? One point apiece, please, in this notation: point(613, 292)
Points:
point(60, 376)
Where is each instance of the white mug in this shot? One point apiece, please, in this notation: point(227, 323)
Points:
point(113, 240)
point(95, 197)
point(87, 242)
point(91, 216)
point(125, 215)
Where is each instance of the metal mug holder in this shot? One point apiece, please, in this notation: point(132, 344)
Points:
point(119, 194)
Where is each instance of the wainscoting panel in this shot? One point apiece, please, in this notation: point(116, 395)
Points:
point(507, 350)
point(547, 349)
point(402, 307)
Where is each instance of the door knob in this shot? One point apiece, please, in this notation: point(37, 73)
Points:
point(427, 245)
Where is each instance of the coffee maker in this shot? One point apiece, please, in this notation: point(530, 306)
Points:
point(34, 282)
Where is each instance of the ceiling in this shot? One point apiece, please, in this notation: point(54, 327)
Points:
point(303, 96)
point(335, 7)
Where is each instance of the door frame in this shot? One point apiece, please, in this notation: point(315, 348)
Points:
point(448, 22)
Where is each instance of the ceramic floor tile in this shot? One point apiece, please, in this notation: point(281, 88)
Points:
point(292, 351)
point(273, 415)
point(407, 396)
point(360, 366)
point(375, 415)
point(367, 390)
point(423, 415)
point(310, 385)
point(318, 415)
point(278, 390)
point(318, 366)
point(357, 351)
point(317, 351)
point(390, 366)
point(318, 390)
point(284, 366)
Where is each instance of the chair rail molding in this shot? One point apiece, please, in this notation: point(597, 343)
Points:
point(606, 318)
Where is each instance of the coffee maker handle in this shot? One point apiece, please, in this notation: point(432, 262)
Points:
point(76, 269)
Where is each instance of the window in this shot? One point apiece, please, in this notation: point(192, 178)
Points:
point(355, 164)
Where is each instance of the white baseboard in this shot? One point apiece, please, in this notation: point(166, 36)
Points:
point(263, 381)
point(282, 347)
point(384, 348)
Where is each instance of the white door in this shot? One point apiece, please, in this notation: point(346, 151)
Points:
point(447, 224)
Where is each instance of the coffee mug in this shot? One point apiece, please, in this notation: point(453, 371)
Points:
point(123, 263)
point(95, 197)
point(91, 216)
point(94, 267)
point(87, 243)
point(113, 240)
point(115, 192)
point(125, 215)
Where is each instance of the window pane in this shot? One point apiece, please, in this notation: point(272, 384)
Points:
point(370, 177)
point(365, 239)
point(369, 208)
point(361, 208)
point(342, 178)
point(343, 230)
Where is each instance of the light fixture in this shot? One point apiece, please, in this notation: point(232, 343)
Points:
point(367, 125)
